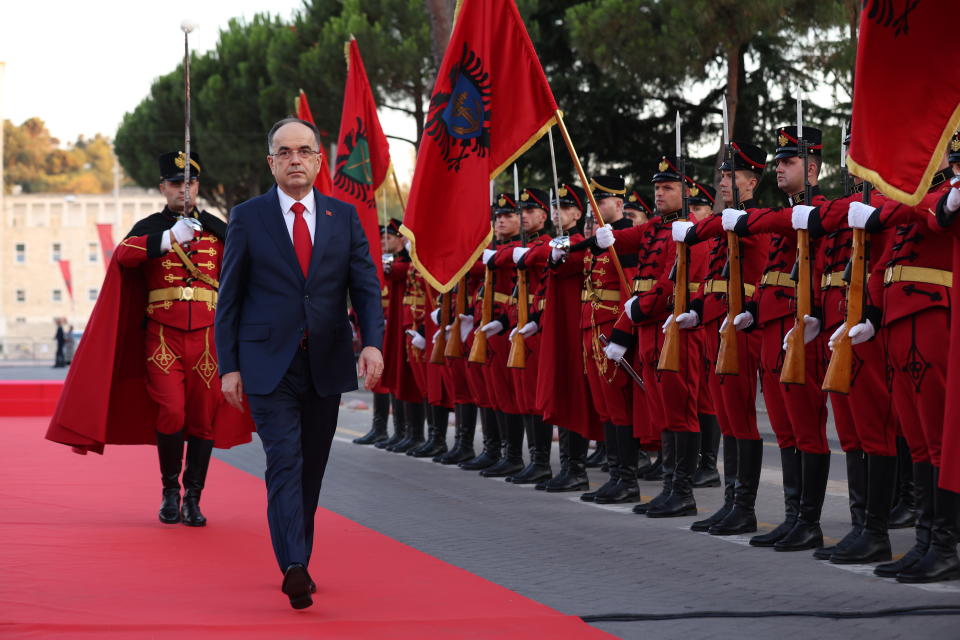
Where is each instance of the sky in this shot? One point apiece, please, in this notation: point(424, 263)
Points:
point(79, 66)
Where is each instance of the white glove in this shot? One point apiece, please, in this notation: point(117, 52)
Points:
point(387, 266)
point(518, 253)
point(182, 231)
point(529, 329)
point(557, 255)
point(492, 328)
point(487, 255)
point(680, 228)
point(406, 244)
point(729, 218)
point(628, 305)
point(688, 319)
point(858, 333)
point(436, 336)
point(614, 351)
point(811, 328)
point(740, 322)
point(953, 198)
point(604, 236)
point(801, 216)
point(466, 326)
point(417, 340)
point(858, 214)
point(435, 316)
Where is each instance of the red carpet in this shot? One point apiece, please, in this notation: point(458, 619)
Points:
point(29, 397)
point(83, 556)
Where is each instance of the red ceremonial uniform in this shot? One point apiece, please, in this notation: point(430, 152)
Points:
point(500, 388)
point(414, 317)
point(397, 374)
point(950, 445)
point(474, 371)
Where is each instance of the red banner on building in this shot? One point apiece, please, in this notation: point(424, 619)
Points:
point(67, 278)
point(105, 233)
point(490, 103)
point(322, 182)
point(906, 99)
point(363, 154)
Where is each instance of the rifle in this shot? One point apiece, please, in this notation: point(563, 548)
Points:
point(478, 352)
point(670, 352)
point(728, 359)
point(517, 359)
point(440, 343)
point(840, 370)
point(794, 362)
point(454, 343)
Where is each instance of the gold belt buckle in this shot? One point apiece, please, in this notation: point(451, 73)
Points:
point(186, 293)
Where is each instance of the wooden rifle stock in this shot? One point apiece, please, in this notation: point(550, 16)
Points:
point(454, 343)
point(518, 348)
point(840, 369)
point(728, 359)
point(478, 352)
point(670, 353)
point(794, 361)
point(440, 344)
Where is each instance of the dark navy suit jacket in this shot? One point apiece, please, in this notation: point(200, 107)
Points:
point(266, 304)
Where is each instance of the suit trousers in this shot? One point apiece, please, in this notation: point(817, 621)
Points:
point(296, 427)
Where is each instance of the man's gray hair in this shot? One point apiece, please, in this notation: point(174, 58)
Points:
point(280, 123)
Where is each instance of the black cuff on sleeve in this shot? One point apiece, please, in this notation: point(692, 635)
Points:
point(697, 305)
point(944, 217)
point(153, 244)
point(535, 317)
point(754, 310)
point(505, 321)
point(635, 314)
point(741, 228)
point(691, 238)
point(815, 225)
point(873, 223)
point(622, 338)
point(817, 312)
point(874, 315)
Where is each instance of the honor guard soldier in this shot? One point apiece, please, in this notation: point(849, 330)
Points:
point(637, 209)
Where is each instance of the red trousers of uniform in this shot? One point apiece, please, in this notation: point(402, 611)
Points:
point(798, 412)
point(417, 359)
point(678, 393)
point(649, 418)
point(612, 397)
point(918, 354)
point(735, 396)
point(182, 373)
point(865, 418)
point(500, 389)
point(461, 387)
point(525, 380)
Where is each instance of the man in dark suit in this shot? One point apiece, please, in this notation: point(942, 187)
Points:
point(293, 256)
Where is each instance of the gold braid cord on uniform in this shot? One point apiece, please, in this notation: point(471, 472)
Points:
point(192, 268)
point(596, 347)
point(162, 356)
point(206, 366)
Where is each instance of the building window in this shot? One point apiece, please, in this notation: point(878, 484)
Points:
point(92, 252)
point(20, 250)
point(57, 295)
point(55, 251)
point(92, 295)
point(21, 295)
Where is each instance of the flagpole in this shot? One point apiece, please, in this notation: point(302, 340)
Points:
point(593, 201)
point(396, 185)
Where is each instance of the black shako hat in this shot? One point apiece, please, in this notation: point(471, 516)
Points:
point(701, 194)
point(787, 146)
point(608, 187)
point(953, 148)
point(172, 165)
point(667, 170)
point(570, 195)
point(532, 198)
point(504, 204)
point(637, 203)
point(392, 227)
point(746, 157)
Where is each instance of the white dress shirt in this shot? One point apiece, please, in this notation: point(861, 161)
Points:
point(309, 213)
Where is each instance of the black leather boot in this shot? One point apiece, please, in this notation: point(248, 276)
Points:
point(806, 534)
point(572, 477)
point(613, 463)
point(456, 434)
point(194, 478)
point(539, 443)
point(923, 480)
point(490, 455)
point(668, 460)
point(903, 514)
point(511, 458)
point(399, 425)
point(415, 416)
point(729, 482)
point(742, 517)
point(170, 452)
point(437, 444)
point(857, 492)
point(599, 456)
point(654, 472)
point(873, 543)
point(563, 452)
point(680, 502)
point(466, 429)
point(707, 474)
point(940, 562)
point(378, 430)
point(792, 477)
point(628, 452)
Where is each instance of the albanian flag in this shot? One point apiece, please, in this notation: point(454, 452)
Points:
point(363, 155)
point(322, 182)
point(906, 99)
point(490, 103)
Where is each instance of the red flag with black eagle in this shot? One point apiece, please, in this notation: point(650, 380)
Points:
point(363, 154)
point(322, 181)
point(906, 99)
point(490, 103)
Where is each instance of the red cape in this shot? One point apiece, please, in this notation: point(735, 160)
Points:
point(105, 399)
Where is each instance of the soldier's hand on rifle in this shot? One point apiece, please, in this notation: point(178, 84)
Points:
point(435, 316)
point(686, 320)
point(488, 255)
point(529, 329)
point(466, 326)
point(518, 253)
point(729, 218)
point(953, 198)
point(604, 237)
point(182, 231)
point(417, 340)
point(492, 328)
point(614, 351)
point(811, 329)
point(680, 229)
point(741, 322)
point(558, 254)
point(858, 214)
point(858, 333)
point(801, 216)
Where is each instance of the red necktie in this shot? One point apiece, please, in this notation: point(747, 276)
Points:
point(302, 242)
